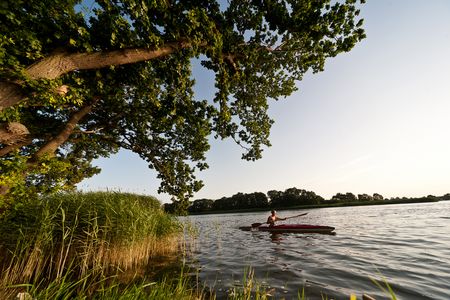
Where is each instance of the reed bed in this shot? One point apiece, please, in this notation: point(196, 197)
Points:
point(82, 240)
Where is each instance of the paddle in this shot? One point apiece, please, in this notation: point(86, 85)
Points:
point(254, 225)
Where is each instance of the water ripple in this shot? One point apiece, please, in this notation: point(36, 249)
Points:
point(406, 245)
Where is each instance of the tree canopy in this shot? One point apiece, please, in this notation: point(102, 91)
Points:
point(82, 79)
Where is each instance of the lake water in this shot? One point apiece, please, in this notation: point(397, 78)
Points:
point(408, 245)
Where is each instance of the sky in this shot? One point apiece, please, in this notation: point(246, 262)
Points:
point(377, 120)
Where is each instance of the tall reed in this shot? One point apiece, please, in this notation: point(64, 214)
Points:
point(81, 235)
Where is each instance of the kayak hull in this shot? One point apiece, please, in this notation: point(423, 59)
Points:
point(288, 228)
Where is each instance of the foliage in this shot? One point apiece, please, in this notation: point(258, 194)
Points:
point(377, 197)
point(365, 197)
point(178, 208)
point(102, 100)
point(201, 205)
point(241, 201)
point(45, 177)
point(293, 197)
point(347, 197)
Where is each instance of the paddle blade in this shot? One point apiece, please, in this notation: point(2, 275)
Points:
point(257, 224)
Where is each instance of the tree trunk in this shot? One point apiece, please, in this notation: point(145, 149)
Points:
point(12, 133)
point(60, 63)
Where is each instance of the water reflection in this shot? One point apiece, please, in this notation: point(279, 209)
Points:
point(276, 238)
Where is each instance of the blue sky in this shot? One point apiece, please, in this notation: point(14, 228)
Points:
point(377, 120)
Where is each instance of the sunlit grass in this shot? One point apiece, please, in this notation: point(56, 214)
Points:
point(385, 287)
point(79, 240)
point(252, 289)
point(85, 288)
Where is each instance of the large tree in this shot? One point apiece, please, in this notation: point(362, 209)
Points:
point(83, 79)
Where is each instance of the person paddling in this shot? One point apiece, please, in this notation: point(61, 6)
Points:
point(273, 218)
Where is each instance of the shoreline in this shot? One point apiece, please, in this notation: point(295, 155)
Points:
point(365, 203)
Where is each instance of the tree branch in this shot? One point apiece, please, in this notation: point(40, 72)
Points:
point(89, 131)
point(51, 146)
point(60, 63)
point(9, 148)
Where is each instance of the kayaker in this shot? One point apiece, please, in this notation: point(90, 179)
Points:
point(273, 218)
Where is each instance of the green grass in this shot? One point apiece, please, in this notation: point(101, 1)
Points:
point(85, 288)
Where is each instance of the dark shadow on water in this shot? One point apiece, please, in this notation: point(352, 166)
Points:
point(279, 237)
point(276, 238)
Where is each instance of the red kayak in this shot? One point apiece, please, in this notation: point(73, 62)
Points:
point(299, 228)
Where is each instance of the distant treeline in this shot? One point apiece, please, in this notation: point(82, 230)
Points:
point(292, 197)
